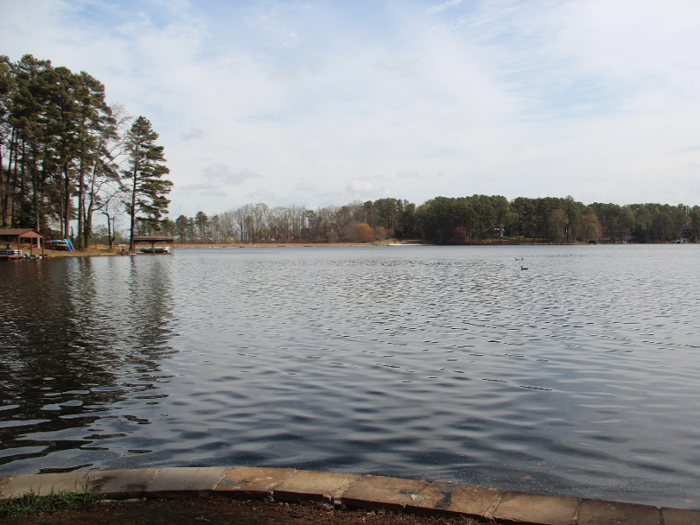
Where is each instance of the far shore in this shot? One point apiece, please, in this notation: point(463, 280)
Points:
point(299, 244)
point(100, 250)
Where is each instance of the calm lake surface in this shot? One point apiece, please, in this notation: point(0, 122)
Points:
point(578, 376)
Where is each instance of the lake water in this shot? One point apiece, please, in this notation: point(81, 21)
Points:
point(578, 376)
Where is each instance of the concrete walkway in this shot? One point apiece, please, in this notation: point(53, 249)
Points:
point(365, 492)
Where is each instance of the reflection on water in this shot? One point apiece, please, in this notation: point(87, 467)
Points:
point(574, 377)
point(80, 340)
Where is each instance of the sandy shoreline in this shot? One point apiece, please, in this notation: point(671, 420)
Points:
point(119, 250)
point(103, 250)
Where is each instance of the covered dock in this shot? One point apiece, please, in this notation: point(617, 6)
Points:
point(155, 244)
point(15, 236)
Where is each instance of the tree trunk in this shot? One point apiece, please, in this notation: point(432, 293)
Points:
point(87, 224)
point(133, 207)
point(19, 223)
point(109, 230)
point(2, 190)
point(66, 210)
point(89, 209)
point(82, 242)
point(11, 186)
point(35, 188)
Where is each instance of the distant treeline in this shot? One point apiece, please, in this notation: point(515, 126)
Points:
point(442, 220)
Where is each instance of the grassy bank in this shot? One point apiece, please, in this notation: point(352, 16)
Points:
point(19, 509)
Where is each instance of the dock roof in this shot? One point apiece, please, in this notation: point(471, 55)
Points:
point(154, 238)
point(15, 233)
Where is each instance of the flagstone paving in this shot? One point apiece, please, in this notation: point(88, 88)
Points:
point(452, 499)
point(122, 484)
point(173, 482)
point(596, 512)
point(44, 484)
point(378, 492)
point(536, 508)
point(252, 482)
point(308, 485)
point(366, 492)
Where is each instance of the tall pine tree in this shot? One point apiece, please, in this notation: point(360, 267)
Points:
point(144, 177)
point(95, 123)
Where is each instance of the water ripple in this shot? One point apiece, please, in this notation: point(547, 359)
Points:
point(439, 363)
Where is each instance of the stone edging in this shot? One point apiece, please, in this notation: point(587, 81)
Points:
point(365, 492)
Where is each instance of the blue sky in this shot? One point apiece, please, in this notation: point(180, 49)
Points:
point(320, 103)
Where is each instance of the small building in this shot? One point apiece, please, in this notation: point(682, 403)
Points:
point(158, 244)
point(15, 236)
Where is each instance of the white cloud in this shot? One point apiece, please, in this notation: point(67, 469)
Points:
point(405, 69)
point(216, 178)
point(204, 189)
point(193, 133)
point(222, 174)
point(261, 195)
point(305, 186)
point(496, 97)
point(445, 5)
point(364, 187)
point(316, 66)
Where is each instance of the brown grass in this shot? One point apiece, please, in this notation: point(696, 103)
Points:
point(100, 250)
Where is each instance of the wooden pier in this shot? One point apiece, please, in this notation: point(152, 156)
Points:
point(158, 244)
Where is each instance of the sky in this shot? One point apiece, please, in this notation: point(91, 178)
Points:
point(324, 102)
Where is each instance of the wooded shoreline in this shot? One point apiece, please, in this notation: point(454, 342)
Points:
point(104, 251)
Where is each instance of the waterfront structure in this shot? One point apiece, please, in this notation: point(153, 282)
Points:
point(15, 236)
point(165, 244)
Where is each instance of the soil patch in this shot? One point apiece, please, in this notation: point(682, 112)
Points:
point(219, 511)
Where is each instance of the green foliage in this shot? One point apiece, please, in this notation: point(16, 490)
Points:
point(143, 176)
point(200, 222)
point(443, 220)
point(468, 219)
point(53, 122)
point(59, 144)
point(33, 504)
